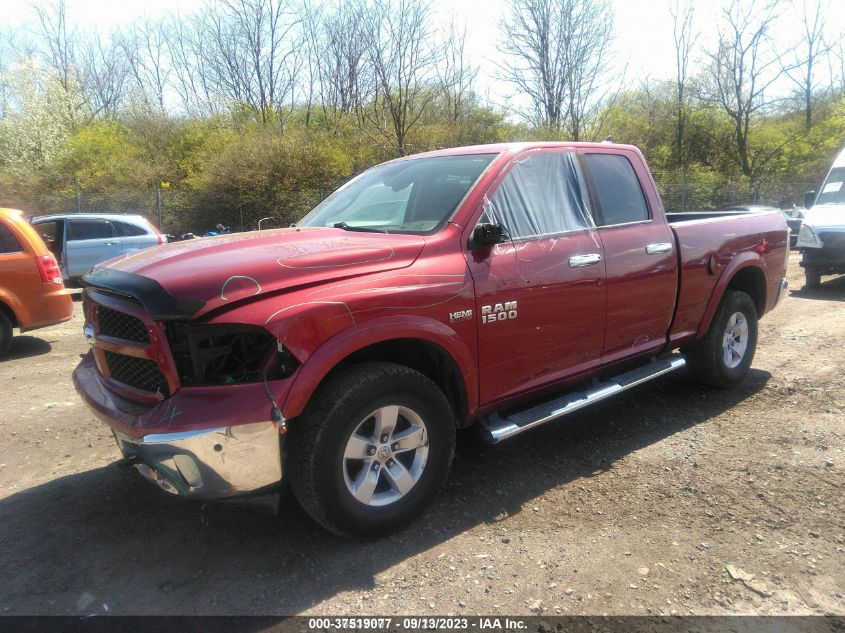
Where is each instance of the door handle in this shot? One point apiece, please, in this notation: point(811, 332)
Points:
point(658, 247)
point(576, 261)
point(110, 243)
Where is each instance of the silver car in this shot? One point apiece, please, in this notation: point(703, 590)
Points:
point(80, 241)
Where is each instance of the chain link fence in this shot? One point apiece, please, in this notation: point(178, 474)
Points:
point(171, 210)
point(151, 204)
point(679, 194)
point(177, 211)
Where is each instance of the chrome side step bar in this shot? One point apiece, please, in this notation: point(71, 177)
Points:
point(498, 427)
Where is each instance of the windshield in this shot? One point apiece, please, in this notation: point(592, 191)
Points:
point(413, 196)
point(833, 191)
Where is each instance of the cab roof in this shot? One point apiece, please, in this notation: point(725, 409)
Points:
point(499, 148)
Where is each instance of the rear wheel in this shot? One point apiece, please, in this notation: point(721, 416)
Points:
point(812, 278)
point(723, 356)
point(5, 334)
point(372, 450)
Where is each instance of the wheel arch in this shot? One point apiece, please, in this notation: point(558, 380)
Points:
point(747, 274)
point(426, 346)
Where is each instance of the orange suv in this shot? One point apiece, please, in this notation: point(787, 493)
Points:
point(32, 294)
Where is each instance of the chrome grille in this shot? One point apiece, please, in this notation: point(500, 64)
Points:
point(140, 373)
point(120, 325)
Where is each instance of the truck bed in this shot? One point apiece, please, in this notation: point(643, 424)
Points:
point(727, 235)
point(686, 216)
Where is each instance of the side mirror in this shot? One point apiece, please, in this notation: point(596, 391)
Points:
point(809, 199)
point(486, 235)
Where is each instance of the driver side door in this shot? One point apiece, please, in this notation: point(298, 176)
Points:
point(540, 295)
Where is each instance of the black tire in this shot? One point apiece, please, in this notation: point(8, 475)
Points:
point(318, 438)
point(706, 358)
point(6, 334)
point(812, 278)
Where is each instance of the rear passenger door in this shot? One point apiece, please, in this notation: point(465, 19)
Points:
point(639, 249)
point(89, 242)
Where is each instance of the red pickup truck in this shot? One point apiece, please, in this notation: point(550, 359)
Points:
point(502, 286)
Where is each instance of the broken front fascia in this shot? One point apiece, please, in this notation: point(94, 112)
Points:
point(203, 443)
point(211, 463)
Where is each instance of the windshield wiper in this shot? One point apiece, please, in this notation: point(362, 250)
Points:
point(360, 229)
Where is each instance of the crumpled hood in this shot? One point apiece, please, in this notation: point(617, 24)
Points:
point(228, 268)
point(826, 216)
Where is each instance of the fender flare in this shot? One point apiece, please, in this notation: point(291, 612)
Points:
point(329, 354)
point(740, 262)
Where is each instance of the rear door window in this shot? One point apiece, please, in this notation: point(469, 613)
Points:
point(618, 190)
point(89, 229)
point(8, 242)
point(124, 229)
point(543, 194)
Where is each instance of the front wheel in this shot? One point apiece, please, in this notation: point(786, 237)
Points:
point(372, 450)
point(722, 357)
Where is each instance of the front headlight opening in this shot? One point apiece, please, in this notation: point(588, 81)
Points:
point(225, 354)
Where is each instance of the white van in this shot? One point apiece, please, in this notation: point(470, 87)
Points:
point(822, 235)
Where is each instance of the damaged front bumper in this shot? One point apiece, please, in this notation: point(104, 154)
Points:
point(225, 448)
point(208, 464)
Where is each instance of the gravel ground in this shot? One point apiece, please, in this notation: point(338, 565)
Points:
point(670, 499)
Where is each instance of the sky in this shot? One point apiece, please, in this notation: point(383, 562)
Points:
point(643, 29)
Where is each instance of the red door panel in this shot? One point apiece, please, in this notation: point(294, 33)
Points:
point(642, 283)
point(639, 248)
point(557, 329)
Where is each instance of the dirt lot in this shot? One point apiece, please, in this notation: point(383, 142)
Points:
point(638, 506)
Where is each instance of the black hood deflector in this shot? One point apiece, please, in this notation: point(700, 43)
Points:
point(160, 304)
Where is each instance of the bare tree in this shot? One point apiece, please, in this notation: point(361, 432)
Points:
point(88, 69)
point(60, 54)
point(145, 47)
point(249, 49)
point(103, 73)
point(682, 19)
point(456, 73)
point(836, 66)
point(336, 72)
point(345, 69)
point(191, 80)
point(5, 53)
point(401, 51)
point(806, 57)
point(558, 52)
point(310, 17)
point(742, 68)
